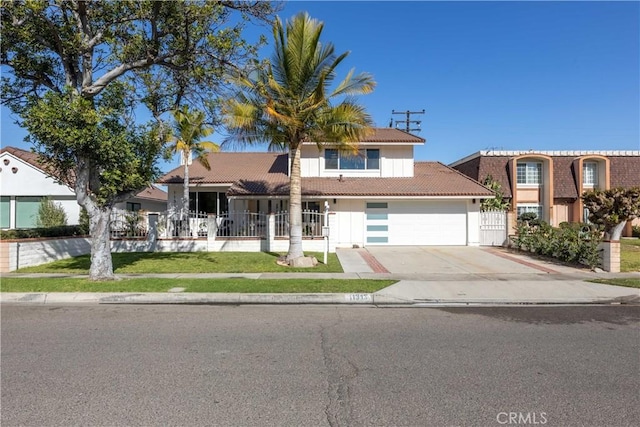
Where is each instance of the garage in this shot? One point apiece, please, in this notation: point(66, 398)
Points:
point(423, 223)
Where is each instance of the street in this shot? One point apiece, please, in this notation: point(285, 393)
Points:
point(319, 365)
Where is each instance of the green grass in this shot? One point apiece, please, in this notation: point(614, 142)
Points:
point(65, 284)
point(187, 262)
point(630, 283)
point(629, 255)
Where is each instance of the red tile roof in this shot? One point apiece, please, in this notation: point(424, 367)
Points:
point(266, 174)
point(431, 179)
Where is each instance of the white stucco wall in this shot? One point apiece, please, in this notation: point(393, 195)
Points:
point(395, 161)
point(349, 222)
point(20, 179)
point(473, 223)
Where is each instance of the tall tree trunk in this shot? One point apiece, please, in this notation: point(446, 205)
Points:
point(185, 190)
point(615, 233)
point(295, 205)
point(101, 263)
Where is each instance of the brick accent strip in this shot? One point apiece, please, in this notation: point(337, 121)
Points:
point(372, 261)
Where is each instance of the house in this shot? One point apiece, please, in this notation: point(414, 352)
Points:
point(380, 196)
point(550, 183)
point(24, 182)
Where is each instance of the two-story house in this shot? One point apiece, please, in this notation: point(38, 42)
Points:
point(379, 196)
point(550, 183)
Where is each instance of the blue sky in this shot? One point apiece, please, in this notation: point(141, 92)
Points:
point(503, 75)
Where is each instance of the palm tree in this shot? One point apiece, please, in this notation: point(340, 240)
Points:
point(189, 128)
point(288, 101)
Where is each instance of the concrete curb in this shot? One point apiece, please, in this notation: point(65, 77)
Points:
point(53, 298)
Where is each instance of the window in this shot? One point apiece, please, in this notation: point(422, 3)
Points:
point(365, 159)
point(589, 174)
point(536, 209)
point(27, 211)
point(208, 202)
point(529, 173)
point(5, 211)
point(133, 207)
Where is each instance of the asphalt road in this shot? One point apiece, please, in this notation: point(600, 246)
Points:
point(319, 366)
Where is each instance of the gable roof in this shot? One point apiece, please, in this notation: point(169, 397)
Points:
point(431, 179)
point(624, 167)
point(384, 136)
point(149, 193)
point(265, 174)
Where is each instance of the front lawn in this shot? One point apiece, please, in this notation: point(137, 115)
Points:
point(187, 262)
point(65, 284)
point(629, 283)
point(629, 255)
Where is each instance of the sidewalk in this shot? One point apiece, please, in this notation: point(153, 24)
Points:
point(564, 285)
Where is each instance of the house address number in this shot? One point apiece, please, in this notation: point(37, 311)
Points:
point(359, 297)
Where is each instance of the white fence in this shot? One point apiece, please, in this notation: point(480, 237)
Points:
point(172, 225)
point(493, 228)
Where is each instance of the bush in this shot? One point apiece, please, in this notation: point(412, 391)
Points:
point(29, 233)
point(573, 243)
point(50, 214)
point(83, 221)
point(635, 231)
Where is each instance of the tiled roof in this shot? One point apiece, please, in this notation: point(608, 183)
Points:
point(432, 179)
point(261, 174)
point(227, 168)
point(390, 135)
point(624, 169)
point(27, 156)
point(152, 193)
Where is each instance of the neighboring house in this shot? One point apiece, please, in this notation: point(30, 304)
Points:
point(379, 196)
point(550, 183)
point(24, 182)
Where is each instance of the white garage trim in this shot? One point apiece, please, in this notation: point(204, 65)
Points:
point(417, 223)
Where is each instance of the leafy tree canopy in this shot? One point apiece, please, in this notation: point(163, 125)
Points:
point(613, 208)
point(77, 70)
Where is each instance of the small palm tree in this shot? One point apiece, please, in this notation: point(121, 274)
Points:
point(189, 128)
point(288, 101)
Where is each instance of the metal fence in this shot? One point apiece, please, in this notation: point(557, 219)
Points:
point(173, 224)
point(128, 224)
point(312, 223)
point(242, 224)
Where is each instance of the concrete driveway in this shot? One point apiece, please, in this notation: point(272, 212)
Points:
point(424, 261)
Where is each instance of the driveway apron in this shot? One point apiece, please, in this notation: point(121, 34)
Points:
point(426, 260)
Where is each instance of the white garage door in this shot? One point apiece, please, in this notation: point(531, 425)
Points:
point(417, 223)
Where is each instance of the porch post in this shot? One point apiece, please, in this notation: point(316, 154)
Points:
point(152, 237)
point(271, 231)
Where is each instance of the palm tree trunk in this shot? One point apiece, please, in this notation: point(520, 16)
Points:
point(295, 205)
point(185, 191)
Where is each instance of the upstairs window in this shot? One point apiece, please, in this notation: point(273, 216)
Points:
point(529, 173)
point(365, 159)
point(134, 207)
point(589, 174)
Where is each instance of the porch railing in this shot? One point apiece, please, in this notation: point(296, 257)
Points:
point(171, 224)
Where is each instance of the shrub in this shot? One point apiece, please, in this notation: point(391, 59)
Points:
point(635, 231)
point(50, 214)
point(83, 221)
point(573, 243)
point(28, 233)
